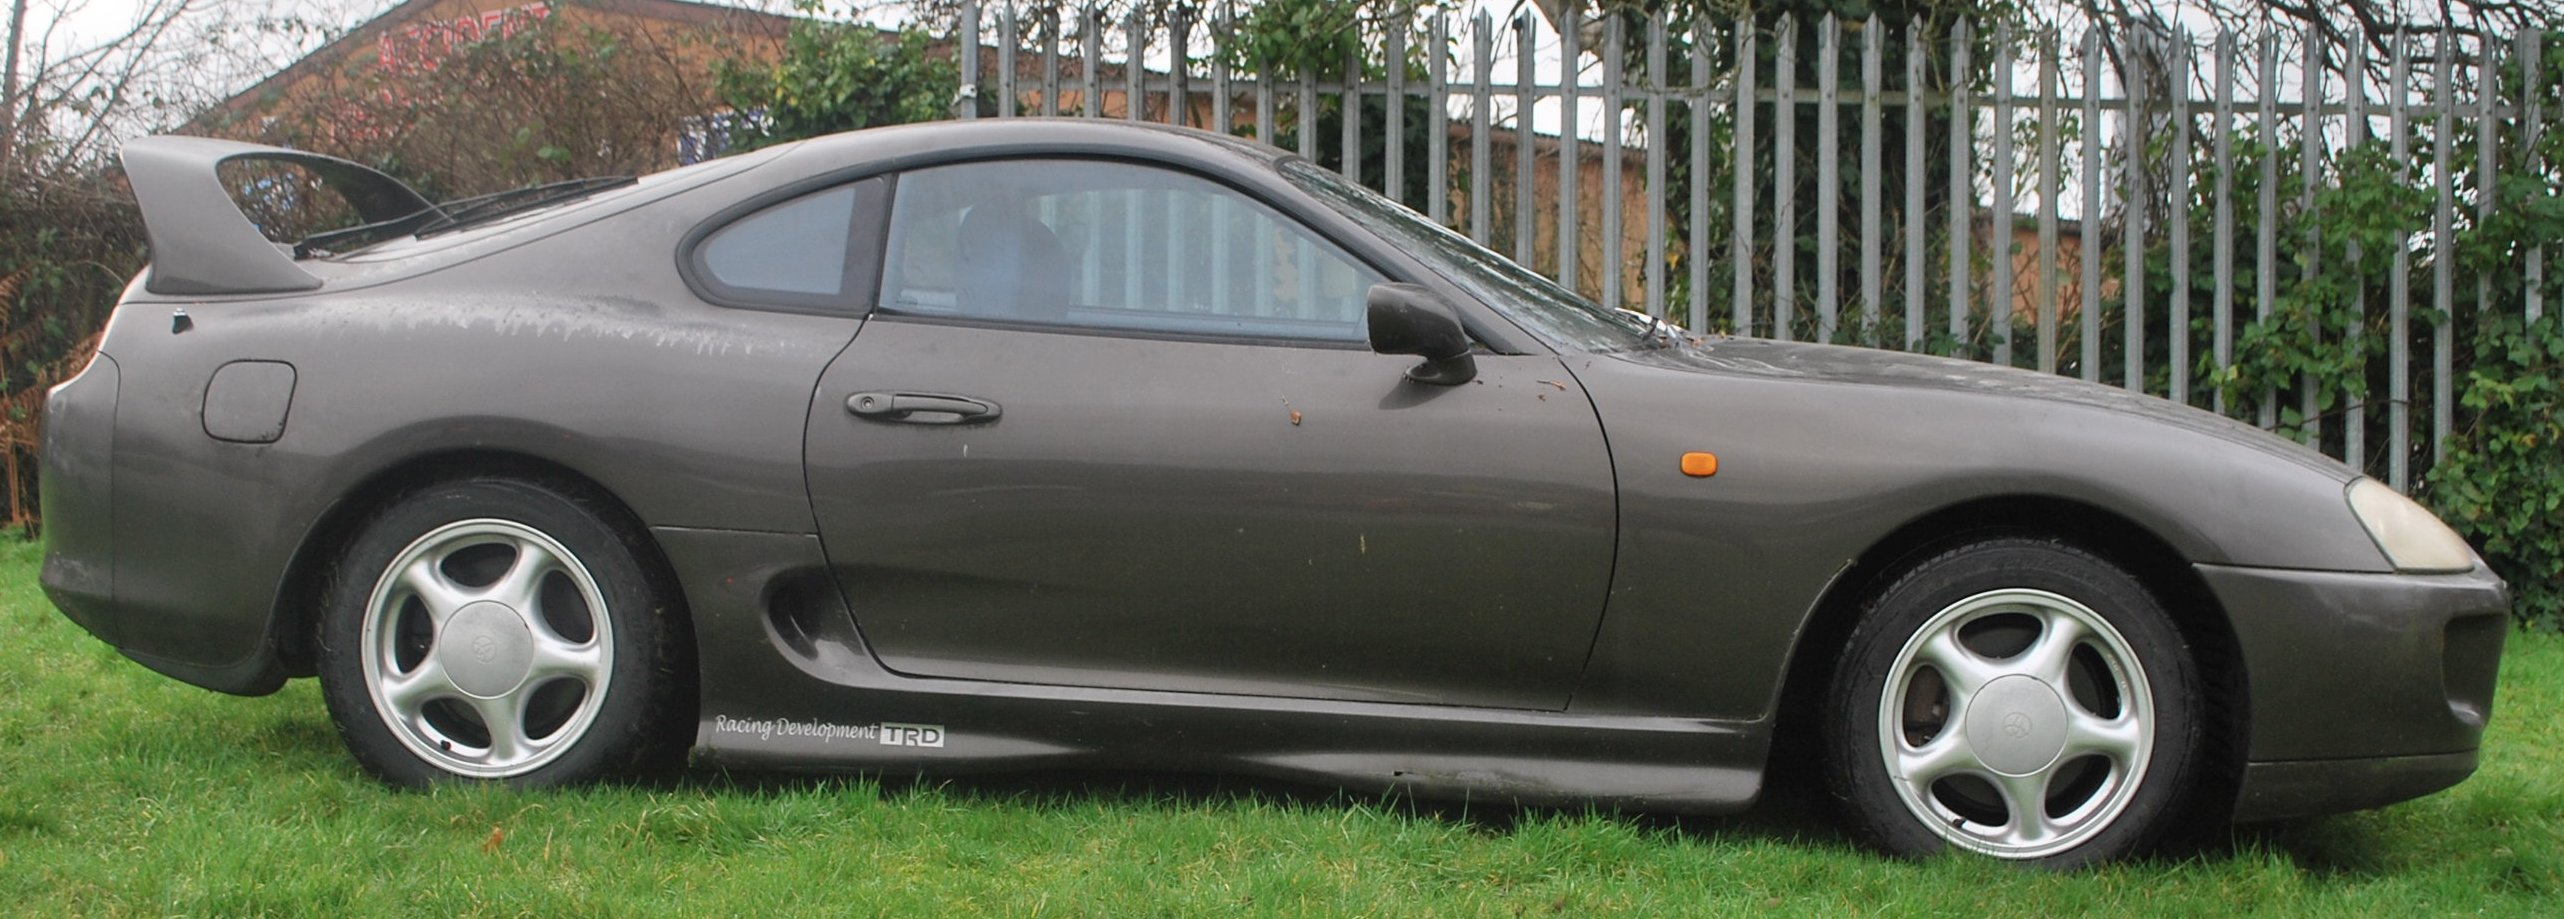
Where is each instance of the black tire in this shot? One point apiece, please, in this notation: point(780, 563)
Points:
point(477, 603)
point(2084, 699)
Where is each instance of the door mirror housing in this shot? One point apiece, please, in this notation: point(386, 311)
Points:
point(1412, 319)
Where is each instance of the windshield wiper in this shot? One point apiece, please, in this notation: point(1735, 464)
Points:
point(1659, 333)
point(364, 234)
point(455, 215)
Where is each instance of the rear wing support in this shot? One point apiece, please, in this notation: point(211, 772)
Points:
point(201, 243)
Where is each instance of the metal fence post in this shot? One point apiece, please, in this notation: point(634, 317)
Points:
point(2399, 343)
point(1873, 121)
point(1696, 241)
point(1785, 181)
point(1740, 164)
point(2221, 293)
point(2178, 222)
point(2088, 240)
point(1570, 84)
point(1915, 242)
point(2354, 433)
point(1481, 126)
point(2132, 222)
point(966, 98)
point(2049, 296)
point(1526, 219)
point(1829, 176)
point(1962, 186)
point(2265, 252)
point(2533, 128)
point(2443, 244)
point(1614, 107)
point(2310, 146)
point(1654, 277)
point(1007, 40)
point(1999, 306)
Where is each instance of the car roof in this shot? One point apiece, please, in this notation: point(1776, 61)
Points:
point(904, 146)
point(1000, 132)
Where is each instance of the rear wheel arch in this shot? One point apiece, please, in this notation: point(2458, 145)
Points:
point(2203, 622)
point(299, 602)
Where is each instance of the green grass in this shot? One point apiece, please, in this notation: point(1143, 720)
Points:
point(124, 793)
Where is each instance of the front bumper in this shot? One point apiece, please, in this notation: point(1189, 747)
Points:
point(2365, 689)
point(2276, 791)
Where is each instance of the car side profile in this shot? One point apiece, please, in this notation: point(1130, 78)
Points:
point(1032, 444)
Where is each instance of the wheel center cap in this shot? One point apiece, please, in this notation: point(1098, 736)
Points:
point(486, 649)
point(2016, 725)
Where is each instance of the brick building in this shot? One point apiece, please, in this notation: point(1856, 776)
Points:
point(366, 88)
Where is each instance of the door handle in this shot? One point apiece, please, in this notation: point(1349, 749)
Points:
point(920, 408)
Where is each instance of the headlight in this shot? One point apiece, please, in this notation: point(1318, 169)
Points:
point(2411, 536)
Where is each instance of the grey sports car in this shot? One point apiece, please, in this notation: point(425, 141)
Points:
point(1034, 444)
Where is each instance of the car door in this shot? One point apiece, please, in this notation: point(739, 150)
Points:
point(1116, 425)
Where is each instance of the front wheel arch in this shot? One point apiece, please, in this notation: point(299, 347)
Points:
point(2196, 613)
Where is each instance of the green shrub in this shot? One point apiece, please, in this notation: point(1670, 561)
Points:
point(835, 77)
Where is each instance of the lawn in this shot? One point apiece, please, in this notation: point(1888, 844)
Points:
point(124, 793)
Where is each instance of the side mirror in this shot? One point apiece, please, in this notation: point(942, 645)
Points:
point(1410, 319)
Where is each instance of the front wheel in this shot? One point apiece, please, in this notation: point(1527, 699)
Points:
point(2018, 698)
point(496, 629)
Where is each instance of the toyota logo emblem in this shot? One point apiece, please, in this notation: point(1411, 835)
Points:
point(2016, 725)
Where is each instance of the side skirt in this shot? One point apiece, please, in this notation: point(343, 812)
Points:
point(788, 685)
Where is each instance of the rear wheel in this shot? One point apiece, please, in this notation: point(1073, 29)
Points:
point(2018, 698)
point(495, 629)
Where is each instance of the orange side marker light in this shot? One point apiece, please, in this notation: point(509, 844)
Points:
point(1700, 465)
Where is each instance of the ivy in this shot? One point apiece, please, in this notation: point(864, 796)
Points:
point(2319, 331)
point(2501, 484)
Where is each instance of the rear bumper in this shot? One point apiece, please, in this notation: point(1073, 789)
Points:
point(75, 486)
point(2365, 689)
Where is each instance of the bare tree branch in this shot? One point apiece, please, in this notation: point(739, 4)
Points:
point(142, 51)
point(77, 89)
point(9, 86)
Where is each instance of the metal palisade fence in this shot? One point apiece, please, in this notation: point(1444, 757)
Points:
point(2127, 206)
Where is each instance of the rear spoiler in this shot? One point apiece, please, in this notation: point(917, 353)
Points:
point(201, 243)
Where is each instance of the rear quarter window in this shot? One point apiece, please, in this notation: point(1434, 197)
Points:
point(816, 251)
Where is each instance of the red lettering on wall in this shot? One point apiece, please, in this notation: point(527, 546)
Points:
point(418, 49)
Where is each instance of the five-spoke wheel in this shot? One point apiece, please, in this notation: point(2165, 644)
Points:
point(495, 629)
point(483, 650)
point(2019, 698)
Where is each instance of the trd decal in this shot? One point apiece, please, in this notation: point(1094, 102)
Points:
point(911, 735)
point(887, 733)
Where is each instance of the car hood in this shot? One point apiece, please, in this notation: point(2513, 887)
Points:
point(1837, 364)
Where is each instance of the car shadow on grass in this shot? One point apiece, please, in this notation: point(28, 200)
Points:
point(1791, 813)
point(1793, 810)
point(2342, 846)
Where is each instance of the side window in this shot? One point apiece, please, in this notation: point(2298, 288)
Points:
point(802, 252)
point(1113, 246)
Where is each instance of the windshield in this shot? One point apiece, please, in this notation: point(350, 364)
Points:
point(1557, 315)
